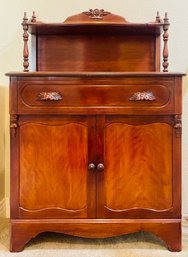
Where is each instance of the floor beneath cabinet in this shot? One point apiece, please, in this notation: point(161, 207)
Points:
point(59, 245)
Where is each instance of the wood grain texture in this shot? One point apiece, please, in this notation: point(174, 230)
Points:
point(138, 161)
point(53, 170)
point(92, 53)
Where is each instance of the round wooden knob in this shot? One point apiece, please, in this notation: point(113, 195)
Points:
point(91, 166)
point(100, 167)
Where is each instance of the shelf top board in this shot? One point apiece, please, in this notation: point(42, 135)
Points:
point(61, 28)
point(92, 21)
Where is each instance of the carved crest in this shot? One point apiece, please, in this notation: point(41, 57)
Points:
point(96, 13)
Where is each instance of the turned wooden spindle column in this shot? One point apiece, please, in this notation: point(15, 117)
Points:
point(158, 18)
point(165, 38)
point(33, 18)
point(25, 39)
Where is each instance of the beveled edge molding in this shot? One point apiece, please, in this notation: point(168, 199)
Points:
point(146, 209)
point(51, 208)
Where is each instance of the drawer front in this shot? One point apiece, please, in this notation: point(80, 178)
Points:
point(50, 96)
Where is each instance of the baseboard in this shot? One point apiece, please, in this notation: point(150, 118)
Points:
point(185, 216)
point(7, 202)
point(3, 208)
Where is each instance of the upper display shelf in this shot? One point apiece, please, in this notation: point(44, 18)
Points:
point(96, 41)
point(98, 19)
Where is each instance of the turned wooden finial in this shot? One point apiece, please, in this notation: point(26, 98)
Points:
point(33, 18)
point(25, 39)
point(158, 18)
point(165, 38)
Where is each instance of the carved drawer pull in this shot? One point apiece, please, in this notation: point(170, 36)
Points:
point(52, 96)
point(143, 96)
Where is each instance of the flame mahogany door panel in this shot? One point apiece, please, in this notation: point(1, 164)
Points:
point(133, 175)
point(53, 179)
point(137, 180)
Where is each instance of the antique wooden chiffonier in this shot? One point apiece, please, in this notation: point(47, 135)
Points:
point(95, 131)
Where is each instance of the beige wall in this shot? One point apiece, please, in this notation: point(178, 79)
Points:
point(11, 13)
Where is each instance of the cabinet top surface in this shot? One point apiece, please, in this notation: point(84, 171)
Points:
point(95, 74)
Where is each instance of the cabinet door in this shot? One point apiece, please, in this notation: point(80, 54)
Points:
point(53, 178)
point(138, 180)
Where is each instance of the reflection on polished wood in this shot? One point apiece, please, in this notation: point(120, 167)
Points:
point(136, 168)
point(53, 170)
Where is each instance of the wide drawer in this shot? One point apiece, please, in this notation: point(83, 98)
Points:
point(125, 96)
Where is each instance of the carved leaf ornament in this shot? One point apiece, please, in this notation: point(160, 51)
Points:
point(143, 96)
point(52, 96)
point(96, 13)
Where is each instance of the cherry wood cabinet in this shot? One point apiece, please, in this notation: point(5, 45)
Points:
point(95, 131)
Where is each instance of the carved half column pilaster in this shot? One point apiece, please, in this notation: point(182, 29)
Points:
point(13, 125)
point(178, 125)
